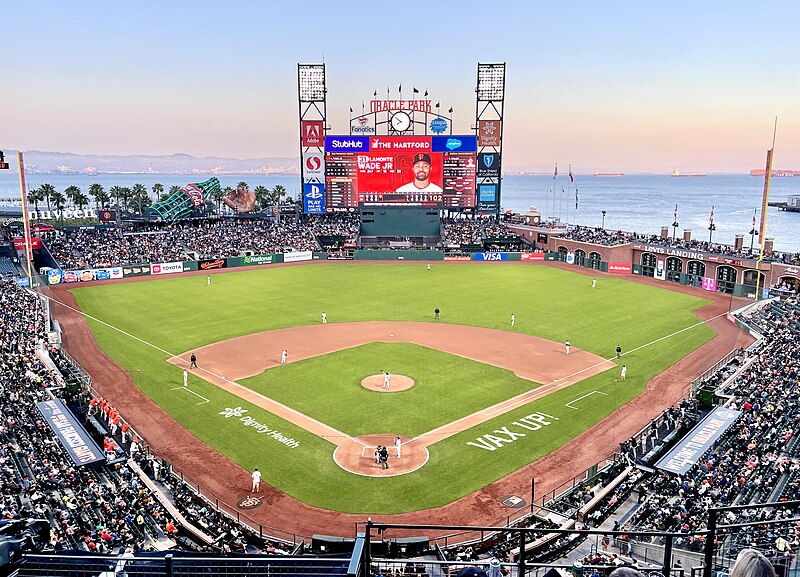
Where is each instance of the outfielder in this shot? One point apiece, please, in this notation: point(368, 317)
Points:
point(324, 318)
point(209, 280)
point(513, 319)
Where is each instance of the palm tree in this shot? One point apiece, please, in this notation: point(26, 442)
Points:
point(139, 195)
point(60, 201)
point(35, 196)
point(48, 190)
point(158, 190)
point(279, 192)
point(243, 185)
point(73, 192)
point(217, 195)
point(97, 192)
point(173, 189)
point(81, 200)
point(262, 196)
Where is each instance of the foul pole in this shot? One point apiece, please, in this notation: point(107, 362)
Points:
point(25, 221)
point(764, 206)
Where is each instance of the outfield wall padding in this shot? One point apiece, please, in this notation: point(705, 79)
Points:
point(398, 255)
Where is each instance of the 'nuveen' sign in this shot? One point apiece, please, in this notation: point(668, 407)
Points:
point(70, 433)
point(686, 453)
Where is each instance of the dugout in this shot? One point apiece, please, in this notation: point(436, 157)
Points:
point(399, 226)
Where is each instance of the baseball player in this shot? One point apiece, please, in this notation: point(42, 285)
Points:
point(209, 280)
point(594, 282)
point(193, 362)
point(513, 319)
point(619, 351)
point(284, 354)
point(378, 454)
point(429, 266)
point(256, 481)
point(566, 346)
point(324, 318)
point(623, 373)
point(436, 313)
point(185, 378)
point(397, 444)
point(386, 380)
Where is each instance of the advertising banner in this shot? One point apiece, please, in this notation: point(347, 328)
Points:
point(190, 265)
point(87, 275)
point(166, 267)
point(487, 193)
point(694, 445)
point(490, 256)
point(70, 276)
point(489, 165)
point(620, 267)
point(313, 165)
point(363, 125)
point(212, 264)
point(261, 259)
point(709, 284)
point(570, 257)
point(23, 281)
point(312, 133)
point(313, 198)
point(72, 436)
point(136, 270)
point(106, 215)
point(541, 238)
point(489, 133)
point(297, 256)
point(54, 276)
point(36, 243)
point(531, 256)
point(413, 170)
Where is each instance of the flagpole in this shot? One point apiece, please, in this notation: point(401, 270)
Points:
point(764, 205)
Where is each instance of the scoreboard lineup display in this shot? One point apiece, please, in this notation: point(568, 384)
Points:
point(434, 171)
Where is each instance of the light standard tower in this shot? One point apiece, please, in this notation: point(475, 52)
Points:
point(603, 226)
point(753, 231)
point(711, 226)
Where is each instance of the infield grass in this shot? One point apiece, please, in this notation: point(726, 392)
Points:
point(181, 313)
point(446, 387)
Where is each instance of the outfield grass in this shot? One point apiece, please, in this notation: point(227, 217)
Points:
point(446, 387)
point(548, 302)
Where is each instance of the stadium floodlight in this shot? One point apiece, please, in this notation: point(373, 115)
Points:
point(311, 78)
point(491, 81)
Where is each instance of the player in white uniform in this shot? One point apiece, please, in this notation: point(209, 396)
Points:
point(397, 444)
point(185, 378)
point(284, 354)
point(623, 373)
point(513, 319)
point(386, 380)
point(324, 319)
point(566, 345)
point(209, 280)
point(594, 282)
point(256, 481)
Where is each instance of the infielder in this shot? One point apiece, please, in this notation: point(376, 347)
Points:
point(185, 378)
point(256, 481)
point(284, 354)
point(513, 319)
point(623, 373)
point(566, 345)
point(386, 380)
point(324, 319)
point(397, 444)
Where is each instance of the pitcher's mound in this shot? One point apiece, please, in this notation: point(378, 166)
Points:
point(396, 383)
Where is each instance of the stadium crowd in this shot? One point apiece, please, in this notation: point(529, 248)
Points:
point(108, 509)
point(91, 248)
point(607, 237)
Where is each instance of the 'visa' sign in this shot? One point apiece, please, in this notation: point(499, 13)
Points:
point(491, 256)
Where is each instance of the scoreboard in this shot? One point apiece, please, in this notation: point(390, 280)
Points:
point(429, 171)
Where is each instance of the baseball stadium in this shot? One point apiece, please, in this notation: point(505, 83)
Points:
point(485, 392)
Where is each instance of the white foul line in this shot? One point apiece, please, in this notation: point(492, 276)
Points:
point(583, 397)
point(191, 391)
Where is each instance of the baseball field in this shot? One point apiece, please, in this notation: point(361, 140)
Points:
point(487, 398)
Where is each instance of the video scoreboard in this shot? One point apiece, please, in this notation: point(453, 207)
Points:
point(429, 171)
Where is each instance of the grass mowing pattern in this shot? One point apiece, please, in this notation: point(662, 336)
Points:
point(447, 387)
point(180, 313)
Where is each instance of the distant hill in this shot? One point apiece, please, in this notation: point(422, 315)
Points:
point(37, 161)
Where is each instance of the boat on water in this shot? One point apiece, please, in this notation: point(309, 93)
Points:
point(679, 173)
point(598, 173)
point(775, 172)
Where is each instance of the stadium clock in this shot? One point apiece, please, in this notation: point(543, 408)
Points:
point(401, 121)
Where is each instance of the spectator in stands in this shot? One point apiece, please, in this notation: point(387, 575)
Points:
point(751, 563)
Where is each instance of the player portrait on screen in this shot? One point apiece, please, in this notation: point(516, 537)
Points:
point(422, 176)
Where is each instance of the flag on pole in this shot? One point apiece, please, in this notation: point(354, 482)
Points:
point(711, 216)
point(571, 178)
point(437, 104)
point(400, 88)
point(375, 94)
point(675, 214)
point(426, 93)
point(451, 110)
point(414, 90)
point(754, 218)
point(555, 172)
point(576, 198)
point(351, 110)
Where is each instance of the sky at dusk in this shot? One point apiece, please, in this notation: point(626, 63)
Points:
point(628, 86)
